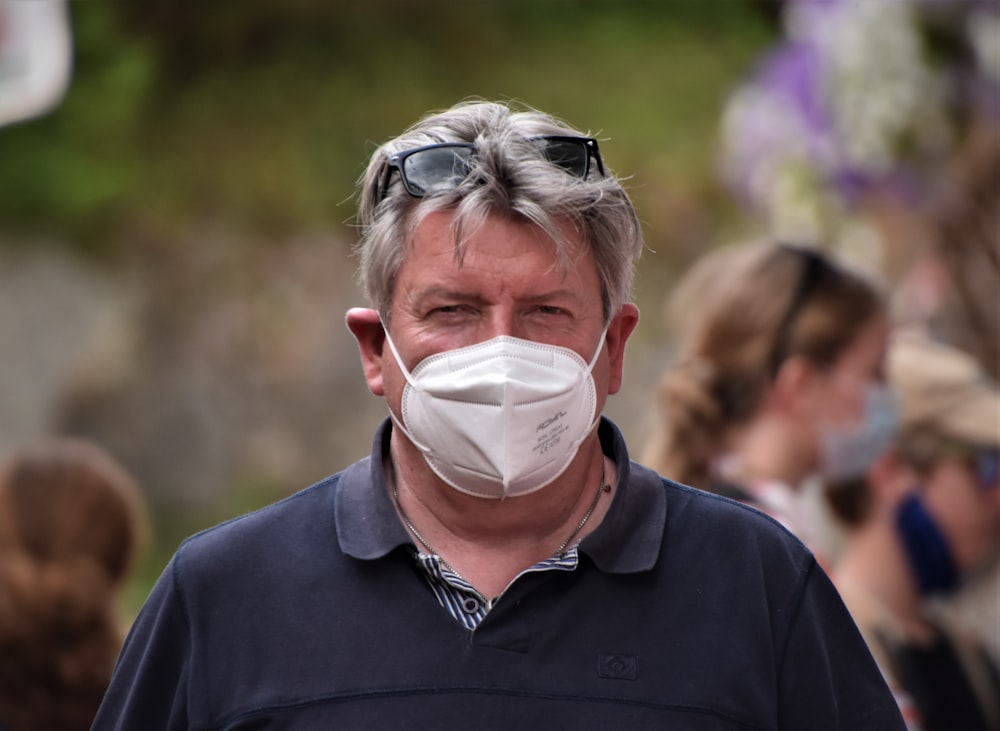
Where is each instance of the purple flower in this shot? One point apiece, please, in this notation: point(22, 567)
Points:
point(854, 97)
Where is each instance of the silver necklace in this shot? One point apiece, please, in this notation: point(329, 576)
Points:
point(602, 488)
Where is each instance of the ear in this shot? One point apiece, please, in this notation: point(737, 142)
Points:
point(794, 390)
point(621, 327)
point(891, 479)
point(365, 325)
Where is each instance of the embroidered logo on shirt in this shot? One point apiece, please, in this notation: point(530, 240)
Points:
point(617, 667)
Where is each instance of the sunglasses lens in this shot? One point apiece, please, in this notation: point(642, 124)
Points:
point(573, 156)
point(440, 168)
point(435, 169)
point(988, 467)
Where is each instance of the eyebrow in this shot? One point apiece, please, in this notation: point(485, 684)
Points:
point(445, 292)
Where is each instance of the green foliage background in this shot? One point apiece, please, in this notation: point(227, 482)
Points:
point(260, 115)
point(264, 112)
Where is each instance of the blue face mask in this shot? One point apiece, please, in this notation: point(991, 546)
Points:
point(848, 452)
point(926, 547)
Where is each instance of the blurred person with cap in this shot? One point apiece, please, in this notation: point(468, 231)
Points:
point(927, 517)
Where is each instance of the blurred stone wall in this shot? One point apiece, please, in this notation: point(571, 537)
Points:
point(205, 364)
point(200, 364)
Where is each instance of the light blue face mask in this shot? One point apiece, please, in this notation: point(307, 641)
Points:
point(849, 451)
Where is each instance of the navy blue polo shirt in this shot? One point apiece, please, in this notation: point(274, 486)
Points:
point(687, 611)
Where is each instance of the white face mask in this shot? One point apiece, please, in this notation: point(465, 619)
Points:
point(500, 418)
point(849, 452)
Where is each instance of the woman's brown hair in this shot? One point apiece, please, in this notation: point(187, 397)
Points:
point(71, 523)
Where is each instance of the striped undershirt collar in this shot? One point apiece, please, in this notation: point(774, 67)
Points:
point(462, 601)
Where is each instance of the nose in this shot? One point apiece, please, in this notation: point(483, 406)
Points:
point(501, 321)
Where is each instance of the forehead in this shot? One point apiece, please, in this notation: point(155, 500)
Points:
point(500, 252)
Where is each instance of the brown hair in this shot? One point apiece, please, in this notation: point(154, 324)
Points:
point(739, 313)
point(71, 523)
point(850, 500)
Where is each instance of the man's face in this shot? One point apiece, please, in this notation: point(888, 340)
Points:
point(508, 283)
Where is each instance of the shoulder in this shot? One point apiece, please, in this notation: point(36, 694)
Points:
point(689, 533)
point(730, 532)
point(727, 508)
point(277, 532)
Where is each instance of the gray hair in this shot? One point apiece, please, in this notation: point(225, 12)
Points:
point(510, 178)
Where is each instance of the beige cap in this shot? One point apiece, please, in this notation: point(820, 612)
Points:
point(944, 389)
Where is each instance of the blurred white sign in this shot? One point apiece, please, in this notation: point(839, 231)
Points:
point(36, 57)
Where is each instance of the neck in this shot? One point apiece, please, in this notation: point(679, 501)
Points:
point(874, 561)
point(489, 542)
point(765, 449)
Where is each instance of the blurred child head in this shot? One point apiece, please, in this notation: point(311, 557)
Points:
point(71, 524)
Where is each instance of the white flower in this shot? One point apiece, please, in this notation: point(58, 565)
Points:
point(983, 28)
point(879, 87)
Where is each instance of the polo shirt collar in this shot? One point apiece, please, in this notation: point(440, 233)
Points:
point(627, 540)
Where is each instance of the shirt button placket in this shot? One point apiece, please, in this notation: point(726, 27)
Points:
point(471, 604)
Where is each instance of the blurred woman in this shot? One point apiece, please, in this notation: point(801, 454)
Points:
point(778, 378)
point(927, 515)
point(71, 522)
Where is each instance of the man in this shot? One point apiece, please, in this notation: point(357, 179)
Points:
point(497, 560)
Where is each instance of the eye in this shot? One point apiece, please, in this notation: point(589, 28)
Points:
point(451, 310)
point(550, 310)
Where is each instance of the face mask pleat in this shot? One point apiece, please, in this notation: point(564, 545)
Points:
point(500, 418)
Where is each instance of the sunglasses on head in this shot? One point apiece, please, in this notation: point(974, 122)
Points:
point(441, 167)
point(814, 268)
